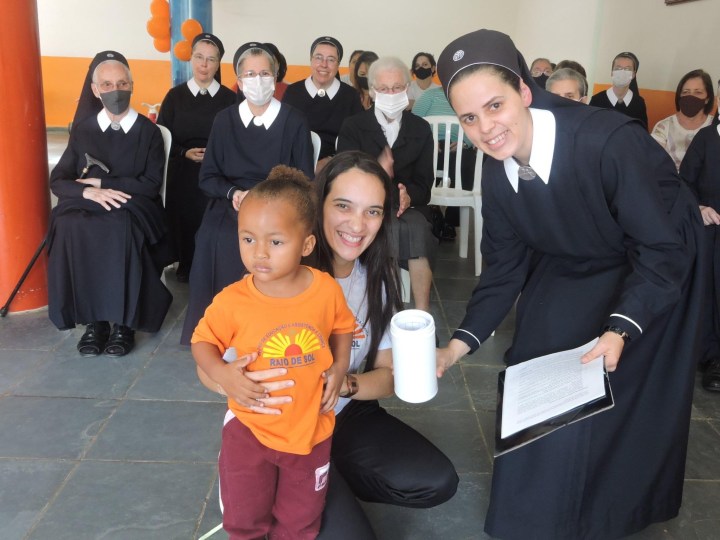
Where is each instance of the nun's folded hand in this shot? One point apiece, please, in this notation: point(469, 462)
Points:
point(237, 198)
point(195, 154)
point(709, 215)
point(94, 182)
point(404, 199)
point(107, 198)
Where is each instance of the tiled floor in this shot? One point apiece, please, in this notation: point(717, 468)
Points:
point(126, 448)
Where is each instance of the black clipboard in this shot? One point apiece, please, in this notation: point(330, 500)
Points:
point(536, 431)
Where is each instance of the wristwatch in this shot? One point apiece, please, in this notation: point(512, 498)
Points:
point(619, 331)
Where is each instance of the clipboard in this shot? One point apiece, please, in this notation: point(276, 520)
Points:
point(535, 432)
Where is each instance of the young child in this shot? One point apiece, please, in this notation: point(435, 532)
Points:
point(274, 468)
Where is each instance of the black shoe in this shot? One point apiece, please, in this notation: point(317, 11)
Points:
point(711, 377)
point(121, 341)
point(93, 340)
point(448, 233)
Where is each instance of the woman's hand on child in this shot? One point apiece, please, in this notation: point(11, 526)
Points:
point(331, 391)
point(248, 388)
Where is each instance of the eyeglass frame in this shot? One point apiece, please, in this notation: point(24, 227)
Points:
point(320, 59)
point(395, 89)
point(202, 59)
point(108, 86)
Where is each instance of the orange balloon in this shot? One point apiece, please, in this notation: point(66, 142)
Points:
point(190, 28)
point(162, 44)
point(159, 27)
point(160, 8)
point(183, 50)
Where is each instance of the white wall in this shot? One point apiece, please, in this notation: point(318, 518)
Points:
point(669, 40)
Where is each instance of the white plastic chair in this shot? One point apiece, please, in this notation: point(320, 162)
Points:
point(316, 142)
point(444, 195)
point(167, 140)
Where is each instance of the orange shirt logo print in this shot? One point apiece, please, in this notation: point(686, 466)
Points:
point(291, 347)
point(358, 335)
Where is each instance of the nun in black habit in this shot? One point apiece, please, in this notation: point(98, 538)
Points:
point(246, 141)
point(188, 111)
point(587, 223)
point(700, 168)
point(107, 236)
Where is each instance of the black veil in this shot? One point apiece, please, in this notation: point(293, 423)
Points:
point(88, 104)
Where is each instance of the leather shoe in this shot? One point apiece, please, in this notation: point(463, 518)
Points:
point(711, 377)
point(121, 341)
point(93, 340)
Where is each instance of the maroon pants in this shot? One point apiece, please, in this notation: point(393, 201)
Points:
point(266, 492)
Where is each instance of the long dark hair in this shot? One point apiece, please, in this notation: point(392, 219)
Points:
point(380, 265)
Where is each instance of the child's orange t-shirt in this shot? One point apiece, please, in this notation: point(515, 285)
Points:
point(286, 332)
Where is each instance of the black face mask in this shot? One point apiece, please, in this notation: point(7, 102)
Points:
point(423, 73)
point(540, 80)
point(362, 82)
point(691, 105)
point(116, 101)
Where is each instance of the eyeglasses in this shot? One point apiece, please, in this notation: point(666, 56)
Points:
point(202, 59)
point(107, 86)
point(618, 68)
point(252, 74)
point(537, 72)
point(320, 59)
point(396, 89)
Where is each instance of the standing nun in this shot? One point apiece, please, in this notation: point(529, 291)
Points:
point(188, 111)
point(587, 223)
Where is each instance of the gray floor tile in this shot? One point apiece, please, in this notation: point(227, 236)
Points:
point(491, 352)
point(455, 289)
point(456, 434)
point(452, 395)
point(16, 366)
point(71, 375)
point(482, 382)
point(171, 375)
point(212, 516)
point(128, 501)
point(703, 459)
point(30, 331)
point(162, 431)
point(45, 427)
point(461, 518)
point(705, 404)
point(33, 484)
point(455, 267)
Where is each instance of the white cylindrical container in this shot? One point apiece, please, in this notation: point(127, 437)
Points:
point(413, 350)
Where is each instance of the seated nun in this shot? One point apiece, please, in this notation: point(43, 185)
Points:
point(403, 143)
point(107, 240)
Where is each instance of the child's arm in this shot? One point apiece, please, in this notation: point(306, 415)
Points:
point(340, 345)
point(229, 377)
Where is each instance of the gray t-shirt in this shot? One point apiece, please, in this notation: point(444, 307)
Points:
point(354, 288)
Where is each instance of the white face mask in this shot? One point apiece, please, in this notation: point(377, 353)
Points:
point(621, 77)
point(391, 105)
point(258, 90)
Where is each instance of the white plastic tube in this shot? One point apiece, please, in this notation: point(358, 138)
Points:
point(413, 349)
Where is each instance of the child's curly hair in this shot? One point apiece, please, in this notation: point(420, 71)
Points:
point(290, 184)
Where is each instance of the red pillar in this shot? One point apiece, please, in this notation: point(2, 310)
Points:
point(24, 196)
